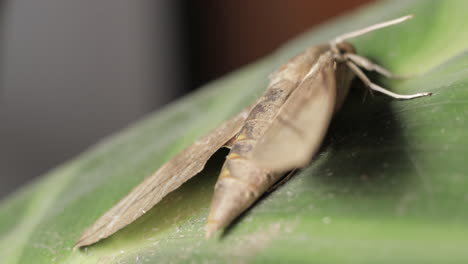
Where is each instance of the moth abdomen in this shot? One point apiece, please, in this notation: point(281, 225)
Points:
point(226, 175)
point(239, 185)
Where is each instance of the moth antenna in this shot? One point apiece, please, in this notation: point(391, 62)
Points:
point(366, 30)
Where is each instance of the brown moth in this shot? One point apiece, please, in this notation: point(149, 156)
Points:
point(291, 118)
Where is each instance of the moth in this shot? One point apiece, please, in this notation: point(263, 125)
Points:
point(282, 131)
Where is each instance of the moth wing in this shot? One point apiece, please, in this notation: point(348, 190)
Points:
point(301, 123)
point(167, 178)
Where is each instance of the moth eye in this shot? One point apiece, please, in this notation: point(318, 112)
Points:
point(345, 47)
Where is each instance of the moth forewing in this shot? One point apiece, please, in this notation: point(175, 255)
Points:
point(242, 181)
point(301, 123)
point(167, 178)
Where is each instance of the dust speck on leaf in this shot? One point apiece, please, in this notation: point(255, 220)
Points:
point(326, 220)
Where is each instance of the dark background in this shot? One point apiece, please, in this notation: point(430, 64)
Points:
point(74, 71)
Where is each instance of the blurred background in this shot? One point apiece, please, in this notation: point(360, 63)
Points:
point(74, 71)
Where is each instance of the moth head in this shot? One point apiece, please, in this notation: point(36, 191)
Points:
point(340, 49)
point(345, 48)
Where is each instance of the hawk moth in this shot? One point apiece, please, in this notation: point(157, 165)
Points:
point(291, 118)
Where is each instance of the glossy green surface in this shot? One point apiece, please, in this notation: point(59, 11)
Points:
point(390, 184)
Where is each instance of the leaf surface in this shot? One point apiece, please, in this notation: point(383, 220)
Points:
point(389, 184)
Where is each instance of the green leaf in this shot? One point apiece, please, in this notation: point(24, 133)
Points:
point(389, 184)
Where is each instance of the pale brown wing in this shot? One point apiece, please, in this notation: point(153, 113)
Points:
point(301, 123)
point(166, 179)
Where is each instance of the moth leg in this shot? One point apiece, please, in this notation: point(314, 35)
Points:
point(371, 66)
point(377, 88)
